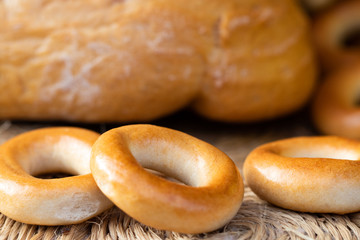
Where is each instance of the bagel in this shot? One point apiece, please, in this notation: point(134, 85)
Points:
point(140, 60)
point(336, 109)
point(330, 32)
point(61, 201)
point(214, 189)
point(307, 174)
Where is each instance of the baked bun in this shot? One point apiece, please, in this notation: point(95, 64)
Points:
point(336, 108)
point(101, 61)
point(332, 31)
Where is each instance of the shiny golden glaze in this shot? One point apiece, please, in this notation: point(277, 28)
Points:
point(49, 201)
point(308, 174)
point(336, 109)
point(214, 189)
point(106, 60)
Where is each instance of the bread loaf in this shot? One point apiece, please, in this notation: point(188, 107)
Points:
point(137, 60)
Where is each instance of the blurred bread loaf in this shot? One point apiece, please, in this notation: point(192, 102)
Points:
point(137, 60)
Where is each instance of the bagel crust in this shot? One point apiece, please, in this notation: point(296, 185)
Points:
point(139, 60)
point(59, 201)
point(336, 109)
point(214, 189)
point(307, 174)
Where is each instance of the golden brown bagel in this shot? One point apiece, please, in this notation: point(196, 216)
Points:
point(307, 174)
point(139, 60)
point(49, 201)
point(336, 109)
point(214, 189)
point(330, 31)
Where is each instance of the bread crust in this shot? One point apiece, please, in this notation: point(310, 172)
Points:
point(104, 61)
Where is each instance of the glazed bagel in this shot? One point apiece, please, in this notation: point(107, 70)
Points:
point(140, 60)
point(61, 201)
point(307, 174)
point(336, 109)
point(211, 197)
point(330, 32)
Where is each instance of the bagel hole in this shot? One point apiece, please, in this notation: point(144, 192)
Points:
point(53, 175)
point(64, 157)
point(165, 176)
point(172, 162)
point(351, 38)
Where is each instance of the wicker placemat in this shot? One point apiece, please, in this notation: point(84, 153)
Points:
point(256, 219)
